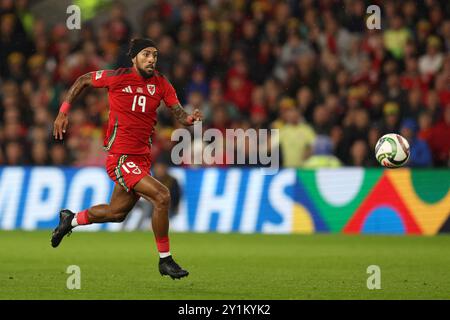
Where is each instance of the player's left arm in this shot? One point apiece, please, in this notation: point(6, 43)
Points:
point(62, 120)
point(183, 117)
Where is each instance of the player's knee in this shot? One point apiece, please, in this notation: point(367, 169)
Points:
point(163, 198)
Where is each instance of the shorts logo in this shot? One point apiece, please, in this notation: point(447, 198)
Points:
point(131, 165)
point(98, 74)
point(151, 88)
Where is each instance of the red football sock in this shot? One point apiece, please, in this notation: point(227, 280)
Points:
point(83, 218)
point(163, 244)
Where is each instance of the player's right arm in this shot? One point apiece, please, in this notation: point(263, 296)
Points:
point(62, 119)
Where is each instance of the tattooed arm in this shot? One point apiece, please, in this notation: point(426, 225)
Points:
point(183, 117)
point(62, 120)
point(81, 83)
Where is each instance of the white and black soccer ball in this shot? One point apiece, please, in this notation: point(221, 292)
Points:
point(392, 150)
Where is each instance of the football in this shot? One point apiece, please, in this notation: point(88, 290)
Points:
point(392, 150)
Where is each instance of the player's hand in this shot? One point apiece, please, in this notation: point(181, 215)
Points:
point(60, 125)
point(195, 116)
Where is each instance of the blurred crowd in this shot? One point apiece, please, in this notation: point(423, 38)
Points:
point(311, 69)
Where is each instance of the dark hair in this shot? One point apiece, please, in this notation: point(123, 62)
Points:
point(137, 44)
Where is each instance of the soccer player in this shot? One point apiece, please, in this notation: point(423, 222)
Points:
point(134, 95)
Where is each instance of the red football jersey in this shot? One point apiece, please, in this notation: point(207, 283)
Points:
point(133, 101)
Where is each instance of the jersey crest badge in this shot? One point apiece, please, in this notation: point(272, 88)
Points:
point(151, 88)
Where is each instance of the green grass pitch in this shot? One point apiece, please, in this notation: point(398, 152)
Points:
point(123, 265)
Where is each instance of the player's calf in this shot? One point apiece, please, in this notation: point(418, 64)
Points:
point(118, 217)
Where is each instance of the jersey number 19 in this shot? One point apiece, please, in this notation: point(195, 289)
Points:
point(141, 100)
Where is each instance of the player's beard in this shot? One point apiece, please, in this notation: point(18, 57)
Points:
point(144, 73)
